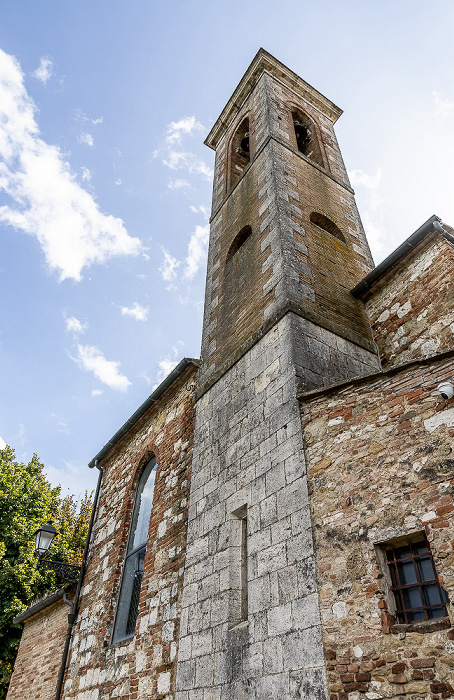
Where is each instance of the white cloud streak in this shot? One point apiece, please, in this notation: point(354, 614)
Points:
point(173, 153)
point(372, 209)
point(443, 107)
point(169, 266)
point(47, 202)
point(91, 359)
point(178, 184)
point(137, 311)
point(44, 70)
point(87, 139)
point(73, 325)
point(2, 444)
point(197, 251)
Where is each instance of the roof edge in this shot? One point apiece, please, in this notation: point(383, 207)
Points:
point(43, 604)
point(264, 61)
point(391, 261)
point(154, 396)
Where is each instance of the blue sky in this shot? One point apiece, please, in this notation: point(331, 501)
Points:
point(105, 184)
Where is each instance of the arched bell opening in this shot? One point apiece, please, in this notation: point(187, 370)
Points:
point(239, 151)
point(306, 137)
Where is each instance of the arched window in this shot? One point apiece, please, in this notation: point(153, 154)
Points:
point(128, 602)
point(306, 137)
point(239, 151)
point(327, 225)
point(238, 241)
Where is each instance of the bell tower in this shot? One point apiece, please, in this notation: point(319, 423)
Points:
point(286, 247)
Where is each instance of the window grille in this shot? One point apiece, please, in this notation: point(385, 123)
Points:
point(415, 585)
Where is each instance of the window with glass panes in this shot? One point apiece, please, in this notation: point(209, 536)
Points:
point(415, 585)
point(128, 601)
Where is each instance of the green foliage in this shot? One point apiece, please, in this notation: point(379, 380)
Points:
point(27, 501)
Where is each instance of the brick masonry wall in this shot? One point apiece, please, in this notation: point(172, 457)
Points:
point(412, 314)
point(144, 666)
point(40, 653)
point(380, 464)
point(287, 261)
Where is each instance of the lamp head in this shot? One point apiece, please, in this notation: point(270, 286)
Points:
point(44, 537)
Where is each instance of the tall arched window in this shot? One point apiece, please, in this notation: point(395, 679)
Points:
point(128, 602)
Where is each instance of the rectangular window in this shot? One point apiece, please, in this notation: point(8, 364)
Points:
point(414, 583)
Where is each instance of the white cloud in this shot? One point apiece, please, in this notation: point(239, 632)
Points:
point(201, 209)
point(97, 392)
point(169, 266)
point(2, 444)
point(197, 251)
point(44, 70)
point(86, 138)
point(73, 325)
point(443, 107)
point(137, 311)
point(80, 116)
point(62, 427)
point(168, 363)
point(47, 201)
point(360, 178)
point(86, 174)
point(91, 359)
point(371, 207)
point(175, 156)
point(178, 184)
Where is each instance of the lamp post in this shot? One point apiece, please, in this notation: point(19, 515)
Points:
point(43, 539)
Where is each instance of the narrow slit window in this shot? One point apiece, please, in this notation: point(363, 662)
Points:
point(244, 581)
point(128, 602)
point(238, 568)
point(327, 225)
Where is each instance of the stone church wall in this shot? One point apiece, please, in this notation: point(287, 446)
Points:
point(144, 666)
point(412, 314)
point(380, 464)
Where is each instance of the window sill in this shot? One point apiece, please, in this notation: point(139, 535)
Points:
point(438, 623)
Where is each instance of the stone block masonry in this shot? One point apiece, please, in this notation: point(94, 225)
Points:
point(248, 458)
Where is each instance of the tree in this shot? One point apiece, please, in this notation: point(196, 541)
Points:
point(27, 500)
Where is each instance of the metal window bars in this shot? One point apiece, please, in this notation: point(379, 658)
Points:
point(415, 584)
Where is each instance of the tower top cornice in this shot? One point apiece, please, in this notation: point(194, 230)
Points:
point(264, 62)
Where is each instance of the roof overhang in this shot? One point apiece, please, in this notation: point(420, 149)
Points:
point(261, 63)
point(379, 274)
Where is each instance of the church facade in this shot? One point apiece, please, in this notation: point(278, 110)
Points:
point(276, 521)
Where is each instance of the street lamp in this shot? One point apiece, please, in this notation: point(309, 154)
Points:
point(43, 539)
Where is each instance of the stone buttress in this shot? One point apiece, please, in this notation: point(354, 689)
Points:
point(286, 246)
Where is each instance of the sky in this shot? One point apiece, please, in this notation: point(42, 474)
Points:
point(105, 184)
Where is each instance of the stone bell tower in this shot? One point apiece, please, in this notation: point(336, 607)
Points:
point(286, 248)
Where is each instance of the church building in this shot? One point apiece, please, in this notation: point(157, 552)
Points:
point(276, 522)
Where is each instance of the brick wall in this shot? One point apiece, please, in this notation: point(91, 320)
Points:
point(380, 464)
point(40, 653)
point(144, 666)
point(412, 313)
